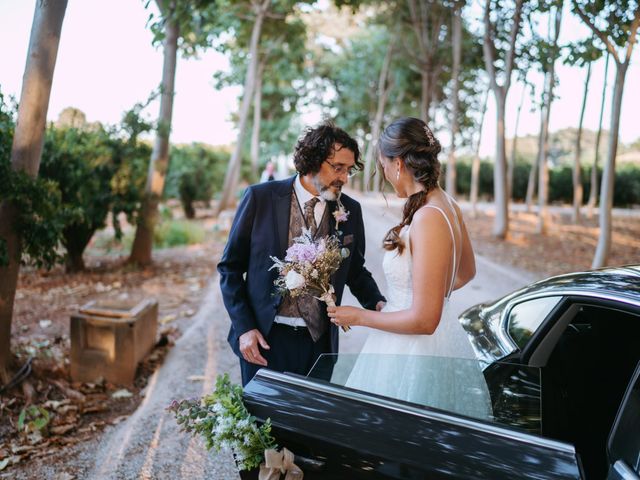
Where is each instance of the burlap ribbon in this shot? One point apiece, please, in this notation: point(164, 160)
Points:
point(276, 463)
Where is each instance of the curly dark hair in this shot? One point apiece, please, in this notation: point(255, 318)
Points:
point(318, 144)
point(413, 141)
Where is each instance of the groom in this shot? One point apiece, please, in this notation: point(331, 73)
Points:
point(268, 330)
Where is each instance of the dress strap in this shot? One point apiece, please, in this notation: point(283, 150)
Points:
point(453, 239)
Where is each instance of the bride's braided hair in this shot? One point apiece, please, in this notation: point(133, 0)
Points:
point(412, 141)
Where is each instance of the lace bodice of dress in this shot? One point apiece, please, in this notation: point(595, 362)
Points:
point(397, 271)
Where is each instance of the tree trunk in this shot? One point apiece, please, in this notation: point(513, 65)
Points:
point(148, 218)
point(577, 168)
point(455, 73)
point(475, 165)
point(501, 222)
point(257, 118)
point(543, 187)
point(233, 170)
point(594, 186)
point(512, 157)
point(533, 173)
point(27, 149)
point(74, 262)
point(609, 172)
point(383, 94)
point(425, 96)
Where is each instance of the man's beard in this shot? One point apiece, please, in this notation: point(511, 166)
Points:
point(325, 190)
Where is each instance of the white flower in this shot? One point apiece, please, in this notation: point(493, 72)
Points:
point(314, 273)
point(294, 280)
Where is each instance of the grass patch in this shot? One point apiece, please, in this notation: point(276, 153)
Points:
point(177, 232)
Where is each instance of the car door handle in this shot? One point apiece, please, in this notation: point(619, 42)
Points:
point(309, 464)
point(621, 471)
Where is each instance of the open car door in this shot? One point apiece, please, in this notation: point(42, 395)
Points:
point(342, 433)
point(623, 448)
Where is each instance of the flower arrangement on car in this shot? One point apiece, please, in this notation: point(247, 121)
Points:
point(224, 423)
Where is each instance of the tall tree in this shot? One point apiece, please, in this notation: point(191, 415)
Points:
point(543, 180)
point(514, 144)
point(456, 43)
point(186, 25)
point(27, 149)
point(500, 50)
point(257, 120)
point(428, 20)
point(535, 164)
point(581, 54)
point(594, 185)
point(259, 9)
point(384, 87)
point(615, 23)
point(280, 77)
point(475, 164)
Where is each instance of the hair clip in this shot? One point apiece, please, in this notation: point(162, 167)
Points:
point(429, 134)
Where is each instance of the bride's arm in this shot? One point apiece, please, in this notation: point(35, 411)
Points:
point(431, 247)
point(467, 268)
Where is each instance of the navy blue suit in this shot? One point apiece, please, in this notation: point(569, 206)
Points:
point(260, 230)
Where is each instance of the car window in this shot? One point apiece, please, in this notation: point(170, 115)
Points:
point(507, 394)
point(526, 317)
point(625, 440)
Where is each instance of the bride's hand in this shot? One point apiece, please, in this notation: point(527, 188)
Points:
point(345, 316)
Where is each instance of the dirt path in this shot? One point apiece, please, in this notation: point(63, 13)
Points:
point(149, 445)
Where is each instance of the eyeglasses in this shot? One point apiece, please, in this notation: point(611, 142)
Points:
point(340, 169)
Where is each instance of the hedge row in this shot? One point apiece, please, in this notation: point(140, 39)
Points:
point(626, 190)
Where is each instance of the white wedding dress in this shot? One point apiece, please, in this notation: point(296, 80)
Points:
point(412, 367)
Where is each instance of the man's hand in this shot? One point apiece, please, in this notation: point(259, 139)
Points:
point(249, 347)
point(380, 305)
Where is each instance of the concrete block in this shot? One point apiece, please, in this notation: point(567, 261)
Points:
point(110, 338)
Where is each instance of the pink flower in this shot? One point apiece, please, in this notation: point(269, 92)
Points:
point(341, 214)
point(300, 252)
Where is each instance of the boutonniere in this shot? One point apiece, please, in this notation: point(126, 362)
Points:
point(341, 214)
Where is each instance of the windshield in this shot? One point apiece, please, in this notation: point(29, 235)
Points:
point(502, 393)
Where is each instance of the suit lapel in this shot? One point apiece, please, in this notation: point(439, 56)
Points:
point(331, 207)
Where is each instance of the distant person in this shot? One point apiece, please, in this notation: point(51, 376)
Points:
point(289, 334)
point(268, 173)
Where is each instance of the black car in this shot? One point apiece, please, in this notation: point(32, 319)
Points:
point(561, 361)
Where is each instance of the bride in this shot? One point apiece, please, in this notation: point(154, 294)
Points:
point(428, 255)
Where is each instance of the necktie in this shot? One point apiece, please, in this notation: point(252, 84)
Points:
point(309, 215)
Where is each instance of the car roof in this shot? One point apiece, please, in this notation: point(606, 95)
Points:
point(621, 280)
point(621, 283)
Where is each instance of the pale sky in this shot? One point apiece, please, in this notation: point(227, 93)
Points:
point(106, 64)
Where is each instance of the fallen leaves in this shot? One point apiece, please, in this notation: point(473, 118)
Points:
point(44, 303)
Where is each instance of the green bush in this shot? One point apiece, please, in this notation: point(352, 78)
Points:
point(97, 172)
point(40, 214)
point(196, 171)
point(173, 233)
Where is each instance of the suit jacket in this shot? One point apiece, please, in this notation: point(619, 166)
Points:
point(260, 230)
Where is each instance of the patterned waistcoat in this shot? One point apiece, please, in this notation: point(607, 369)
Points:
point(305, 306)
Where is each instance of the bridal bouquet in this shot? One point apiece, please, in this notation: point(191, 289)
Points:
point(308, 266)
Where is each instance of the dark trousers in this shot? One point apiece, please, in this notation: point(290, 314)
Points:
point(292, 350)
